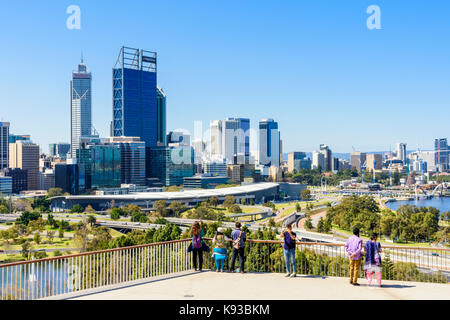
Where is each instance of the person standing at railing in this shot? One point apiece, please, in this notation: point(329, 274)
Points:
point(373, 259)
point(220, 249)
point(289, 250)
point(353, 248)
point(239, 239)
point(197, 243)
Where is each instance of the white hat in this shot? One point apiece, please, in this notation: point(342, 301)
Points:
point(220, 229)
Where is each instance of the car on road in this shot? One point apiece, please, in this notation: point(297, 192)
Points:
point(435, 254)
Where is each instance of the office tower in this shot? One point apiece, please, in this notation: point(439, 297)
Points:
point(318, 160)
point(344, 164)
point(401, 152)
point(171, 164)
point(334, 164)
point(161, 116)
point(80, 106)
point(236, 140)
point(59, 150)
point(46, 179)
point(428, 157)
point(199, 149)
point(281, 151)
point(297, 161)
point(5, 184)
point(4, 145)
point(215, 168)
point(25, 155)
point(70, 177)
point(132, 159)
point(19, 179)
point(442, 154)
point(18, 137)
point(269, 143)
point(105, 166)
point(235, 172)
point(216, 139)
point(357, 160)
point(134, 95)
point(178, 139)
point(374, 161)
point(325, 150)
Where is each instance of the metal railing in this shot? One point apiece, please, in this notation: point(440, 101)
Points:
point(36, 279)
point(330, 259)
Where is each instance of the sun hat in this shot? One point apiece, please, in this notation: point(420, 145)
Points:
point(220, 229)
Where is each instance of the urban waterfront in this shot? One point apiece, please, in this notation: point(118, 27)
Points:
point(441, 203)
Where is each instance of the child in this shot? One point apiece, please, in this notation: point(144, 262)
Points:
point(220, 250)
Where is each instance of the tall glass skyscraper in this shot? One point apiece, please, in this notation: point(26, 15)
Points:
point(161, 116)
point(80, 106)
point(236, 140)
point(269, 143)
point(134, 95)
point(4, 145)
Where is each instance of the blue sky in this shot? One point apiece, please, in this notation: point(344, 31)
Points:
point(313, 66)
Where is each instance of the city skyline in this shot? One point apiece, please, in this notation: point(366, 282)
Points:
point(299, 79)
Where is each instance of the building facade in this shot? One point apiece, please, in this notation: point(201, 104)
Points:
point(357, 160)
point(4, 145)
point(204, 182)
point(318, 160)
point(105, 166)
point(19, 179)
point(326, 151)
point(236, 140)
point(60, 150)
point(400, 150)
point(161, 116)
point(442, 154)
point(70, 178)
point(26, 156)
point(80, 106)
point(269, 143)
point(374, 161)
point(297, 161)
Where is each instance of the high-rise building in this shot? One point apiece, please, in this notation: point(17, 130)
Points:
point(25, 155)
point(161, 116)
point(105, 166)
point(442, 154)
point(357, 160)
point(269, 143)
point(60, 149)
point(47, 179)
point(216, 139)
point(5, 184)
point(215, 168)
point(325, 150)
point(428, 158)
point(19, 179)
point(236, 140)
point(134, 95)
point(132, 159)
point(318, 160)
point(178, 139)
point(297, 161)
point(4, 145)
point(80, 106)
point(400, 150)
point(199, 149)
point(171, 164)
point(374, 161)
point(18, 137)
point(70, 177)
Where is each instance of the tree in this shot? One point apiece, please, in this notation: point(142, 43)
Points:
point(160, 207)
point(229, 200)
point(22, 205)
point(81, 235)
point(50, 235)
point(177, 208)
point(91, 220)
point(235, 208)
point(271, 223)
point(213, 201)
point(306, 194)
point(115, 214)
point(77, 209)
point(298, 207)
point(243, 201)
point(26, 217)
point(89, 209)
point(54, 192)
point(131, 209)
point(308, 224)
point(37, 238)
point(60, 233)
point(3, 209)
point(26, 249)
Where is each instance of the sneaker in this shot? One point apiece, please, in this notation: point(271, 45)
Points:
point(196, 269)
point(287, 275)
point(293, 275)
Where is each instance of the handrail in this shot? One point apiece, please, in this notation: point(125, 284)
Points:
point(188, 239)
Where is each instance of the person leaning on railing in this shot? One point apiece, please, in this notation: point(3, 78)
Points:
point(220, 251)
point(197, 245)
point(239, 239)
point(373, 259)
point(353, 248)
point(289, 250)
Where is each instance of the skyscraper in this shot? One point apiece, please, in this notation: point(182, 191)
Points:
point(161, 116)
point(80, 106)
point(442, 154)
point(358, 160)
point(134, 96)
point(216, 138)
point(25, 155)
point(4, 145)
point(326, 151)
point(269, 143)
point(401, 151)
point(236, 140)
point(297, 161)
point(318, 160)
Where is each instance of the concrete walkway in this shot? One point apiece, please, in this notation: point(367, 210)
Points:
point(210, 285)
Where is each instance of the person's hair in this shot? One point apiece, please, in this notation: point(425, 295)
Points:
point(289, 230)
point(195, 229)
point(238, 224)
point(374, 236)
point(356, 231)
point(289, 226)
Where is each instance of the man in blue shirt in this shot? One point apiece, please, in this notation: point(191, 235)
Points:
point(239, 239)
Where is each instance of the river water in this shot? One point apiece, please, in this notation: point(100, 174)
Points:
point(441, 203)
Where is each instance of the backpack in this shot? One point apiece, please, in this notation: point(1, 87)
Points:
point(197, 242)
point(237, 242)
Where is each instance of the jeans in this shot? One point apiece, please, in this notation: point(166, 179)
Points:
point(239, 252)
point(199, 253)
point(289, 255)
